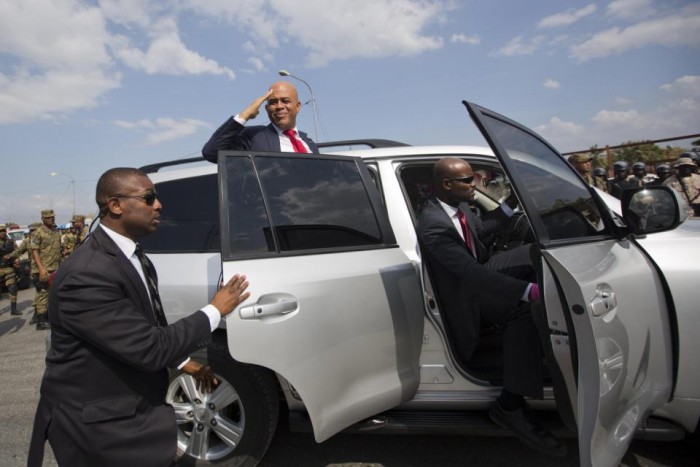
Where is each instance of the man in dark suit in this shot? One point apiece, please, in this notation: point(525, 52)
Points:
point(103, 392)
point(475, 290)
point(281, 135)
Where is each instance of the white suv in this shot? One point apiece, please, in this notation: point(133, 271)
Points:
point(343, 328)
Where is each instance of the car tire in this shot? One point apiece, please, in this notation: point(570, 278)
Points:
point(236, 434)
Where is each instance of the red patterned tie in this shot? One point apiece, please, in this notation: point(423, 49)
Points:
point(465, 230)
point(296, 143)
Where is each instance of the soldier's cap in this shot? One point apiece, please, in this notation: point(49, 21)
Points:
point(685, 161)
point(580, 157)
point(3, 227)
point(78, 218)
point(47, 213)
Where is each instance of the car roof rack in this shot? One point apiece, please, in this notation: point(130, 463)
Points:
point(152, 168)
point(372, 143)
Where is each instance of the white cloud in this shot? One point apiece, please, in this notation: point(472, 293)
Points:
point(686, 86)
point(549, 83)
point(257, 63)
point(674, 30)
point(164, 129)
point(518, 46)
point(167, 54)
point(566, 18)
point(337, 30)
point(618, 117)
point(623, 101)
point(60, 62)
point(465, 39)
point(560, 128)
point(630, 9)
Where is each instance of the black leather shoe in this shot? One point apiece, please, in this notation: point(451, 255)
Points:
point(43, 326)
point(527, 428)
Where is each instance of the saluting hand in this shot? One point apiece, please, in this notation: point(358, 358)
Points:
point(253, 109)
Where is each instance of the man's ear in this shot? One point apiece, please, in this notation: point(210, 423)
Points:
point(114, 207)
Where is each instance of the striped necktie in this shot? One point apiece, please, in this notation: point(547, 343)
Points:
point(150, 275)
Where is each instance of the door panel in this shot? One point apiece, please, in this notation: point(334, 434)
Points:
point(610, 294)
point(624, 367)
point(335, 305)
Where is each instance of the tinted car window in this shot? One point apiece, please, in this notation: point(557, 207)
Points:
point(562, 200)
point(189, 220)
point(305, 203)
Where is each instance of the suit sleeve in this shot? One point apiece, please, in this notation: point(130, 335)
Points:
point(96, 308)
point(445, 248)
point(231, 135)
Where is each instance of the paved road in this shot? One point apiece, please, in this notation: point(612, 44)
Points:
point(21, 366)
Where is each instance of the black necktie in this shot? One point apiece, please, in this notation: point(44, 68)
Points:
point(150, 275)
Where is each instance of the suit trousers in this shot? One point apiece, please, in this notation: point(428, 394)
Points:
point(522, 355)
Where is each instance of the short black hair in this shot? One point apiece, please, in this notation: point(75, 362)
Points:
point(110, 184)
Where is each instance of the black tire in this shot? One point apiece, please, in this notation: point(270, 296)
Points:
point(251, 411)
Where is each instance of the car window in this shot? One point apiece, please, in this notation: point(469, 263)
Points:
point(562, 200)
point(416, 179)
point(189, 220)
point(283, 204)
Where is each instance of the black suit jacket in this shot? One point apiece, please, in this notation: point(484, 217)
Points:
point(234, 136)
point(462, 283)
point(103, 392)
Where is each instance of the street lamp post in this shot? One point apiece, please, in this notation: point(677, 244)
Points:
point(313, 100)
point(72, 183)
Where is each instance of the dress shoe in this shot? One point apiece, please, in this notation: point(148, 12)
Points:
point(527, 428)
point(43, 326)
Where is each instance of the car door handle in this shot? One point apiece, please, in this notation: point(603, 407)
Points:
point(271, 304)
point(604, 301)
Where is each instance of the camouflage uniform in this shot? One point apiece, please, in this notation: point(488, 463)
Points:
point(46, 242)
point(7, 272)
point(68, 242)
point(21, 250)
point(688, 186)
point(82, 233)
point(577, 160)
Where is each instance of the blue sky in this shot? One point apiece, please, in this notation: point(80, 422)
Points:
point(90, 85)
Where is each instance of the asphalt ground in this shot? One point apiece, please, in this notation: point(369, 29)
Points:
point(22, 351)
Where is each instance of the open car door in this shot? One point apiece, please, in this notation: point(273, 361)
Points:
point(335, 305)
point(606, 316)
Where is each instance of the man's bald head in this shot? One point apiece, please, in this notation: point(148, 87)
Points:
point(283, 105)
point(449, 181)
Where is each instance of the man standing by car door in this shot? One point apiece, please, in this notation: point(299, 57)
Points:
point(475, 290)
point(281, 135)
point(103, 392)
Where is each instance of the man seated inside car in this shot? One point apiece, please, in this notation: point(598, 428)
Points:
point(476, 289)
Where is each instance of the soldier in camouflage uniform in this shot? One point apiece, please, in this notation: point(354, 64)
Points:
point(80, 229)
point(7, 271)
point(687, 183)
point(46, 253)
point(22, 249)
point(583, 163)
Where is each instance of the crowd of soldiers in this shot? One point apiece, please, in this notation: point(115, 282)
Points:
point(682, 176)
point(46, 248)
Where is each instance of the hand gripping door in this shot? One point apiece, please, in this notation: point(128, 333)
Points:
point(335, 305)
point(616, 317)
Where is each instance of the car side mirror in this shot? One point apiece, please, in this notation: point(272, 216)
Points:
point(652, 209)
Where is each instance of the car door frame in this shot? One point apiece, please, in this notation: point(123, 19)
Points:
point(584, 340)
point(360, 399)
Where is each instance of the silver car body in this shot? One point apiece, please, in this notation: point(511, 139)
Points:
point(353, 334)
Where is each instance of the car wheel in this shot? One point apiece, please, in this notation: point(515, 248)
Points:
point(232, 426)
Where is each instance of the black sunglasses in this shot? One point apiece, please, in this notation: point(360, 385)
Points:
point(467, 180)
point(149, 199)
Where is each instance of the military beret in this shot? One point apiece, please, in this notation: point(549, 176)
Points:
point(78, 218)
point(685, 161)
point(47, 213)
point(580, 157)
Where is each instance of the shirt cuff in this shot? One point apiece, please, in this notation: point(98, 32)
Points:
point(507, 210)
point(526, 296)
point(239, 119)
point(187, 360)
point(214, 316)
